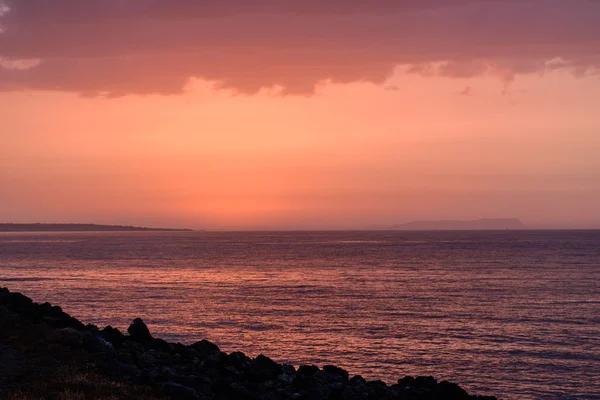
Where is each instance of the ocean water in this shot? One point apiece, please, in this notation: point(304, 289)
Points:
point(511, 314)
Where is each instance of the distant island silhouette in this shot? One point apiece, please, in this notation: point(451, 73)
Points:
point(457, 225)
point(40, 227)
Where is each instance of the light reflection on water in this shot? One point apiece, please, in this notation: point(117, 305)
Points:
point(514, 314)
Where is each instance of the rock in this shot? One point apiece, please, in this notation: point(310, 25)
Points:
point(138, 331)
point(450, 391)
point(237, 359)
point(204, 346)
point(289, 369)
point(239, 391)
point(328, 376)
point(146, 359)
point(22, 304)
point(178, 391)
point(124, 355)
point(379, 390)
point(129, 370)
point(337, 393)
point(168, 372)
point(159, 344)
point(406, 381)
point(137, 349)
point(285, 379)
point(103, 345)
point(425, 382)
point(91, 327)
point(264, 368)
point(72, 336)
point(304, 382)
point(358, 380)
point(231, 371)
point(178, 348)
point(332, 369)
point(153, 373)
point(113, 336)
point(212, 362)
point(308, 370)
point(269, 384)
point(324, 376)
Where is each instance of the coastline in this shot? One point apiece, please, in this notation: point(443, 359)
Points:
point(67, 227)
point(44, 352)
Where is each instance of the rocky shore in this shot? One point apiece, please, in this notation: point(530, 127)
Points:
point(46, 353)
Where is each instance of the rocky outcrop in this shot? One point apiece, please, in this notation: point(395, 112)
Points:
point(202, 370)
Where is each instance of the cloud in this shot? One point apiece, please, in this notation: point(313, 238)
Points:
point(467, 91)
point(119, 47)
point(19, 63)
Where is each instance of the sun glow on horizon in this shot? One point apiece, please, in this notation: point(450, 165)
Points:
point(301, 114)
point(351, 156)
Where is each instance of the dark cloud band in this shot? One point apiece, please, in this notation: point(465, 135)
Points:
point(156, 46)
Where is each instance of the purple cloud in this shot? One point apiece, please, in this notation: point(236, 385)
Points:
point(156, 46)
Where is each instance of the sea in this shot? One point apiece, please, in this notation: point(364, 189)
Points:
point(515, 314)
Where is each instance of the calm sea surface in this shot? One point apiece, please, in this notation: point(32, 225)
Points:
point(513, 314)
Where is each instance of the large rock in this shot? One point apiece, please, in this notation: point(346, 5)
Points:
point(237, 359)
point(450, 391)
point(204, 346)
point(113, 336)
point(139, 331)
point(308, 370)
point(340, 372)
point(177, 391)
point(262, 368)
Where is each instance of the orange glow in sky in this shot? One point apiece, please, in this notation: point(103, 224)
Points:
point(352, 152)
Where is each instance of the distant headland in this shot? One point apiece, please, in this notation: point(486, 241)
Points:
point(457, 225)
point(39, 227)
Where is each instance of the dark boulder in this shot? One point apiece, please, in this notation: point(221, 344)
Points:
point(288, 369)
point(138, 331)
point(204, 346)
point(212, 361)
point(358, 380)
point(160, 344)
point(262, 368)
point(379, 390)
point(237, 359)
point(265, 362)
point(425, 382)
point(450, 391)
point(113, 336)
point(332, 369)
point(406, 381)
point(304, 382)
point(177, 391)
point(341, 393)
point(129, 371)
point(308, 370)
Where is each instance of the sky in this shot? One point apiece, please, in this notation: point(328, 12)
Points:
point(272, 114)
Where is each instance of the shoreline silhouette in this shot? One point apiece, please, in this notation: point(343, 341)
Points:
point(45, 227)
point(45, 351)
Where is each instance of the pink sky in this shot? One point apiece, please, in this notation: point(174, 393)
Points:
point(272, 114)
